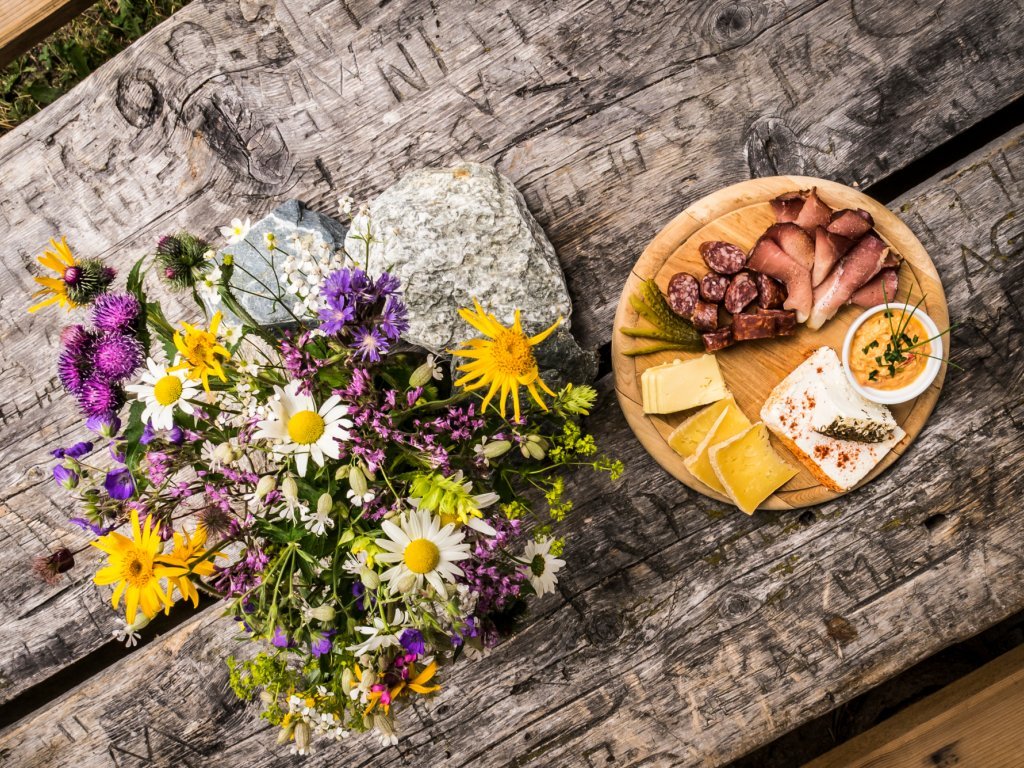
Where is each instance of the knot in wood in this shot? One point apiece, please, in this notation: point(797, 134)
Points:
point(736, 606)
point(773, 149)
point(729, 24)
point(604, 628)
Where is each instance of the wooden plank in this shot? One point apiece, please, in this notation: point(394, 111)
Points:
point(978, 720)
point(23, 23)
point(684, 633)
point(223, 110)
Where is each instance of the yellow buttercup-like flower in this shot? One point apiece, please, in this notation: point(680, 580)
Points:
point(136, 566)
point(386, 696)
point(502, 362)
point(55, 289)
point(189, 549)
point(201, 355)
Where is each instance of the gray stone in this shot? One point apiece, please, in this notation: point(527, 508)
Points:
point(256, 270)
point(561, 360)
point(455, 234)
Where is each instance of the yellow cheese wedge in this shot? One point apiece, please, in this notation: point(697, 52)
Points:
point(748, 468)
point(687, 436)
point(680, 385)
point(730, 423)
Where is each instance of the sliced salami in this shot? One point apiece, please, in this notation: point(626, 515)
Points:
point(713, 287)
point(705, 317)
point(746, 326)
point(741, 291)
point(683, 294)
point(722, 257)
point(716, 340)
point(784, 319)
point(770, 292)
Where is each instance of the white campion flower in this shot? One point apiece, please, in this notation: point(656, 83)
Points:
point(237, 231)
point(378, 635)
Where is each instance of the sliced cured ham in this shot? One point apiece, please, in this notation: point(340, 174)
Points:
point(787, 207)
point(881, 289)
point(828, 249)
point(768, 258)
point(854, 270)
point(814, 213)
point(851, 224)
point(797, 244)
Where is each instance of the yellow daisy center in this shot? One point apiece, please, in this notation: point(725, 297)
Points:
point(306, 427)
point(135, 571)
point(167, 390)
point(512, 353)
point(421, 556)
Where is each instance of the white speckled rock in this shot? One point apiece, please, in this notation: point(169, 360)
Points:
point(457, 233)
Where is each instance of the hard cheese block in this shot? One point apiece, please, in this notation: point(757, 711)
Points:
point(748, 468)
point(687, 436)
point(729, 424)
point(817, 395)
point(680, 385)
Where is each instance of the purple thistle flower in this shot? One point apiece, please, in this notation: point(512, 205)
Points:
point(73, 365)
point(76, 338)
point(107, 425)
point(369, 344)
point(66, 478)
point(116, 312)
point(321, 645)
point(119, 484)
point(412, 641)
point(117, 355)
point(99, 397)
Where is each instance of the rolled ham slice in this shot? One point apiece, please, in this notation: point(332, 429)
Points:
point(828, 249)
point(797, 244)
point(881, 289)
point(787, 207)
point(814, 213)
point(768, 258)
point(851, 224)
point(853, 271)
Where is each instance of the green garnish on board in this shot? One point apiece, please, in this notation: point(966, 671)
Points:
point(669, 331)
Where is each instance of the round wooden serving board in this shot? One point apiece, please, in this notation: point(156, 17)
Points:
point(740, 214)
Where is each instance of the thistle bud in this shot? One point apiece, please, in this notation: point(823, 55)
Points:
point(369, 578)
point(302, 737)
point(290, 488)
point(266, 484)
point(357, 480)
point(48, 567)
point(324, 613)
point(496, 448)
point(324, 504)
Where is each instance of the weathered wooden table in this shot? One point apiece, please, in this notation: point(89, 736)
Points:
point(684, 634)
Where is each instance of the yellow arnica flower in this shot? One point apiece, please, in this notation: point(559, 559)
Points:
point(502, 362)
point(417, 684)
point(136, 566)
point(189, 550)
point(55, 289)
point(200, 352)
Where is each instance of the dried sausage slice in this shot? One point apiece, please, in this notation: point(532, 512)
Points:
point(713, 287)
point(747, 326)
point(716, 340)
point(723, 257)
point(770, 292)
point(705, 317)
point(683, 294)
point(784, 319)
point(741, 291)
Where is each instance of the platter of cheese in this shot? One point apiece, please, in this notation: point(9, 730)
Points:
point(764, 415)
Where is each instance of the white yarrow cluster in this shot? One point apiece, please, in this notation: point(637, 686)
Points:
point(306, 268)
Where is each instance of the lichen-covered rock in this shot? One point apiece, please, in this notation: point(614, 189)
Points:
point(456, 234)
point(561, 360)
point(256, 270)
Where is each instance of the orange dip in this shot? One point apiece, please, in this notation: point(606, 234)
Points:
point(875, 338)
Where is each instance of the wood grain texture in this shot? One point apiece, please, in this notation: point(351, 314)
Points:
point(740, 214)
point(684, 633)
point(978, 720)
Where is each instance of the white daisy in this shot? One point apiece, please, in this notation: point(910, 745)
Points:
point(541, 566)
point(237, 231)
point(420, 547)
point(299, 428)
point(163, 391)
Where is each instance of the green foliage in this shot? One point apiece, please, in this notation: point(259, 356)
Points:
point(66, 57)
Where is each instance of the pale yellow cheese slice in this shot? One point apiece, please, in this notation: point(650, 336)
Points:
point(687, 436)
point(681, 385)
point(730, 423)
point(748, 468)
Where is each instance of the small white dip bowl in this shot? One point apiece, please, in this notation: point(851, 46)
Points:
point(922, 382)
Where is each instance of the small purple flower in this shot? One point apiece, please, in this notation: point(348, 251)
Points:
point(369, 344)
point(119, 484)
point(394, 319)
point(386, 285)
point(116, 312)
point(107, 425)
point(118, 452)
point(78, 450)
point(335, 316)
point(99, 397)
point(117, 355)
point(348, 285)
point(86, 525)
point(412, 641)
point(176, 435)
point(321, 645)
point(66, 478)
point(280, 638)
point(148, 433)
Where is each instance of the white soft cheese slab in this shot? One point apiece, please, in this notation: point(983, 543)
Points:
point(812, 395)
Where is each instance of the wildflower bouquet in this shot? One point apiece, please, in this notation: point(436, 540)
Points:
point(366, 518)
